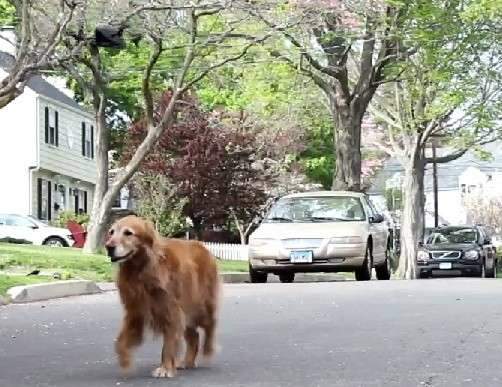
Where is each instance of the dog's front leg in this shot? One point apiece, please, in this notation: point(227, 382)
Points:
point(131, 335)
point(170, 348)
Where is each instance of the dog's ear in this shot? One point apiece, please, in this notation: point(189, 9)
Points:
point(151, 233)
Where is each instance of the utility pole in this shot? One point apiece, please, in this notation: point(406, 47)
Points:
point(435, 183)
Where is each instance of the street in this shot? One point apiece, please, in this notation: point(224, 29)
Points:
point(440, 332)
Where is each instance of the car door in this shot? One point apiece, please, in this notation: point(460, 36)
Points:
point(4, 228)
point(21, 229)
point(379, 231)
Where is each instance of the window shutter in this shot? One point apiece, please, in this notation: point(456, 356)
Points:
point(46, 125)
point(56, 123)
point(49, 200)
point(83, 139)
point(92, 141)
point(39, 198)
point(85, 202)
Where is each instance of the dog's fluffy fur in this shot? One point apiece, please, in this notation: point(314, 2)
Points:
point(167, 285)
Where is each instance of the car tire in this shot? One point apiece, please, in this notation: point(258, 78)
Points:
point(257, 277)
point(55, 242)
point(482, 271)
point(287, 278)
point(384, 270)
point(364, 272)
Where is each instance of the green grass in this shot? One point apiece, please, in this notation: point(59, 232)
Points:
point(7, 281)
point(68, 262)
point(240, 266)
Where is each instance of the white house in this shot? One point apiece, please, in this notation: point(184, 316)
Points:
point(46, 151)
point(459, 180)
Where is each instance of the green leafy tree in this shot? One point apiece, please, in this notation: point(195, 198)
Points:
point(449, 92)
point(7, 13)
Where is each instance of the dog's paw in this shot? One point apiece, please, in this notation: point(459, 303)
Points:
point(189, 365)
point(180, 365)
point(125, 363)
point(162, 372)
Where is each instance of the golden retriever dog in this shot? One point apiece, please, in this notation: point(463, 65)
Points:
point(168, 286)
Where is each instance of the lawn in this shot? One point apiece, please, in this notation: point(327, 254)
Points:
point(18, 260)
point(7, 281)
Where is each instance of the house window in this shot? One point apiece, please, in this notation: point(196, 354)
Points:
point(80, 200)
point(44, 199)
point(87, 140)
point(60, 197)
point(51, 126)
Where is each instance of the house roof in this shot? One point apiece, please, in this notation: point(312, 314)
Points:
point(40, 86)
point(448, 173)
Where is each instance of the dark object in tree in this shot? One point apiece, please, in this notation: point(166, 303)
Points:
point(109, 36)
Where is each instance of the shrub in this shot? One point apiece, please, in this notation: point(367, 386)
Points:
point(65, 216)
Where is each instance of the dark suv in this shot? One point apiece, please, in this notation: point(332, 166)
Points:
point(458, 250)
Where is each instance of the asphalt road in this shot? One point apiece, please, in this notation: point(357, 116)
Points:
point(443, 332)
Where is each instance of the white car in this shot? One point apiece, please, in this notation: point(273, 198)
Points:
point(321, 232)
point(29, 229)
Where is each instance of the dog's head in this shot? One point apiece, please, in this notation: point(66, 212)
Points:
point(129, 237)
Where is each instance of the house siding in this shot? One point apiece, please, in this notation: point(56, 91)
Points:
point(65, 159)
point(68, 183)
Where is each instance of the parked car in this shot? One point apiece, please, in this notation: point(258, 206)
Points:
point(320, 232)
point(30, 230)
point(458, 250)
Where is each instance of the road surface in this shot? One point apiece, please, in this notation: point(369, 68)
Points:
point(443, 332)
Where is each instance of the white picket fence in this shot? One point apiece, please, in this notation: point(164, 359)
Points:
point(228, 251)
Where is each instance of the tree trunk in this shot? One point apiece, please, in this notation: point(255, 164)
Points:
point(99, 218)
point(412, 217)
point(347, 147)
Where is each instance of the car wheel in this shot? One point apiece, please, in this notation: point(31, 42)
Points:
point(54, 242)
point(482, 272)
point(364, 272)
point(286, 277)
point(257, 277)
point(383, 271)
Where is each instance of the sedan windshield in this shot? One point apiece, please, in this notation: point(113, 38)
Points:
point(317, 209)
point(456, 235)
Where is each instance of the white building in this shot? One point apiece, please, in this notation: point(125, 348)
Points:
point(458, 181)
point(46, 151)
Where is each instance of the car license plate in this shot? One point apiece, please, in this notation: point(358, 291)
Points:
point(301, 256)
point(445, 265)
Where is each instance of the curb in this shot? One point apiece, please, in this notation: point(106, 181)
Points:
point(234, 278)
point(241, 278)
point(227, 278)
point(45, 291)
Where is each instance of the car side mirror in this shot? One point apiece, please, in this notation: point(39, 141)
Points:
point(378, 218)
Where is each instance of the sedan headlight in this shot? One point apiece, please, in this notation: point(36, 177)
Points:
point(471, 254)
point(259, 242)
point(351, 240)
point(422, 255)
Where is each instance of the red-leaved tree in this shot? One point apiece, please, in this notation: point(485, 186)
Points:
point(211, 165)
